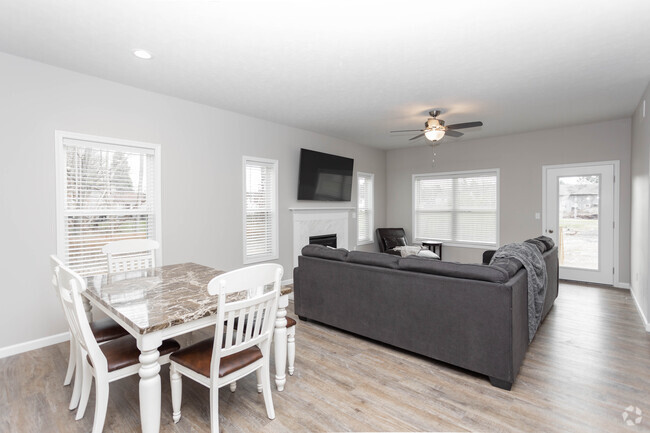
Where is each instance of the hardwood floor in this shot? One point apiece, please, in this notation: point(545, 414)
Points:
point(589, 361)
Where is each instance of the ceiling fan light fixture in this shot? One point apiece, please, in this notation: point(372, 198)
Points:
point(434, 134)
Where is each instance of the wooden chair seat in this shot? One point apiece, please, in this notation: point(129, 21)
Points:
point(123, 352)
point(106, 329)
point(198, 357)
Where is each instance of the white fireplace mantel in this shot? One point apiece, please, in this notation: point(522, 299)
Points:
point(319, 209)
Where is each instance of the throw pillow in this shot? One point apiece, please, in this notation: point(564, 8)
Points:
point(394, 241)
point(547, 241)
point(539, 244)
point(428, 253)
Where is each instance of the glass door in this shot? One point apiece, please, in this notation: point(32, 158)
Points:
point(579, 216)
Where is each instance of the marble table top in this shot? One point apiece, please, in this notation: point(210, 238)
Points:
point(158, 298)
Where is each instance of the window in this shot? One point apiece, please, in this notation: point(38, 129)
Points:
point(260, 209)
point(107, 190)
point(365, 217)
point(459, 208)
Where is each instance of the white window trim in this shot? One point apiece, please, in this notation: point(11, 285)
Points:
point(490, 171)
point(371, 221)
point(102, 142)
point(275, 254)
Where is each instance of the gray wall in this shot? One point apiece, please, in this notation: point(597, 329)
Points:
point(202, 150)
point(641, 204)
point(520, 159)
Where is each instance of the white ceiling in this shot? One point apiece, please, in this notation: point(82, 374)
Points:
point(357, 69)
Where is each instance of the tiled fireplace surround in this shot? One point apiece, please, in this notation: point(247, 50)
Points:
point(319, 221)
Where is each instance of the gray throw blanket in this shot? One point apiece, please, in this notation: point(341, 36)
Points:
point(530, 257)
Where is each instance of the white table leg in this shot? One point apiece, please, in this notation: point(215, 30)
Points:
point(149, 387)
point(291, 349)
point(280, 342)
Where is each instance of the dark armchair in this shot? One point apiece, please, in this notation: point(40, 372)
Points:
point(391, 238)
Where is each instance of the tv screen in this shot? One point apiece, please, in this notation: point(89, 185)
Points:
point(324, 177)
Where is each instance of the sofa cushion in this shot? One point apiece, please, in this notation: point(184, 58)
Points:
point(394, 241)
point(323, 252)
point(508, 264)
point(539, 244)
point(374, 259)
point(457, 270)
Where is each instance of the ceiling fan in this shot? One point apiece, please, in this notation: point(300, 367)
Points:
point(435, 129)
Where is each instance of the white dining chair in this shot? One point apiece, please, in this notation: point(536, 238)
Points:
point(238, 351)
point(130, 255)
point(106, 363)
point(103, 330)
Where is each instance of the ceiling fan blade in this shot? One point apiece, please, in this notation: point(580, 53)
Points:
point(451, 133)
point(465, 125)
point(416, 137)
point(409, 130)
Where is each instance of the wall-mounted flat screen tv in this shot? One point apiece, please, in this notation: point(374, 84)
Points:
point(324, 177)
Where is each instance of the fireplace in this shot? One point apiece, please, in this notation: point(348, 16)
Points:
point(327, 240)
point(308, 222)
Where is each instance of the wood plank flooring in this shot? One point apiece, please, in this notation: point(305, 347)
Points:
point(589, 361)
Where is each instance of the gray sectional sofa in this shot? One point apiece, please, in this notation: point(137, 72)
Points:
point(471, 316)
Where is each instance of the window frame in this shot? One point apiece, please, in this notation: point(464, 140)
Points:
point(371, 208)
point(275, 253)
point(102, 143)
point(456, 174)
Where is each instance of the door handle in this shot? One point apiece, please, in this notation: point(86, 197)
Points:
point(550, 231)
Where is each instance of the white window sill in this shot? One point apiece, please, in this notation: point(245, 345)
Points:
point(258, 259)
point(365, 242)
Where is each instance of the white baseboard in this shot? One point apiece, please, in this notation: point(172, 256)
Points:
point(620, 285)
point(638, 307)
point(34, 344)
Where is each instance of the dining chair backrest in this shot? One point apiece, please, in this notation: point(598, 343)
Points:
point(71, 285)
point(256, 310)
point(55, 264)
point(130, 255)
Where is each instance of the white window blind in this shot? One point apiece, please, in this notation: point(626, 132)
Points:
point(107, 192)
point(260, 210)
point(365, 210)
point(456, 207)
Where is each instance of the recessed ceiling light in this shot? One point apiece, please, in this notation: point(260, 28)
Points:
point(142, 54)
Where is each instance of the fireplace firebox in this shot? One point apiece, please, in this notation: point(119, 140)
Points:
point(327, 240)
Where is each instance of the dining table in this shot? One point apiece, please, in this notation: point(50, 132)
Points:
point(163, 302)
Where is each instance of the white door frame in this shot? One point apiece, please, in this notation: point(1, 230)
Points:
point(616, 164)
